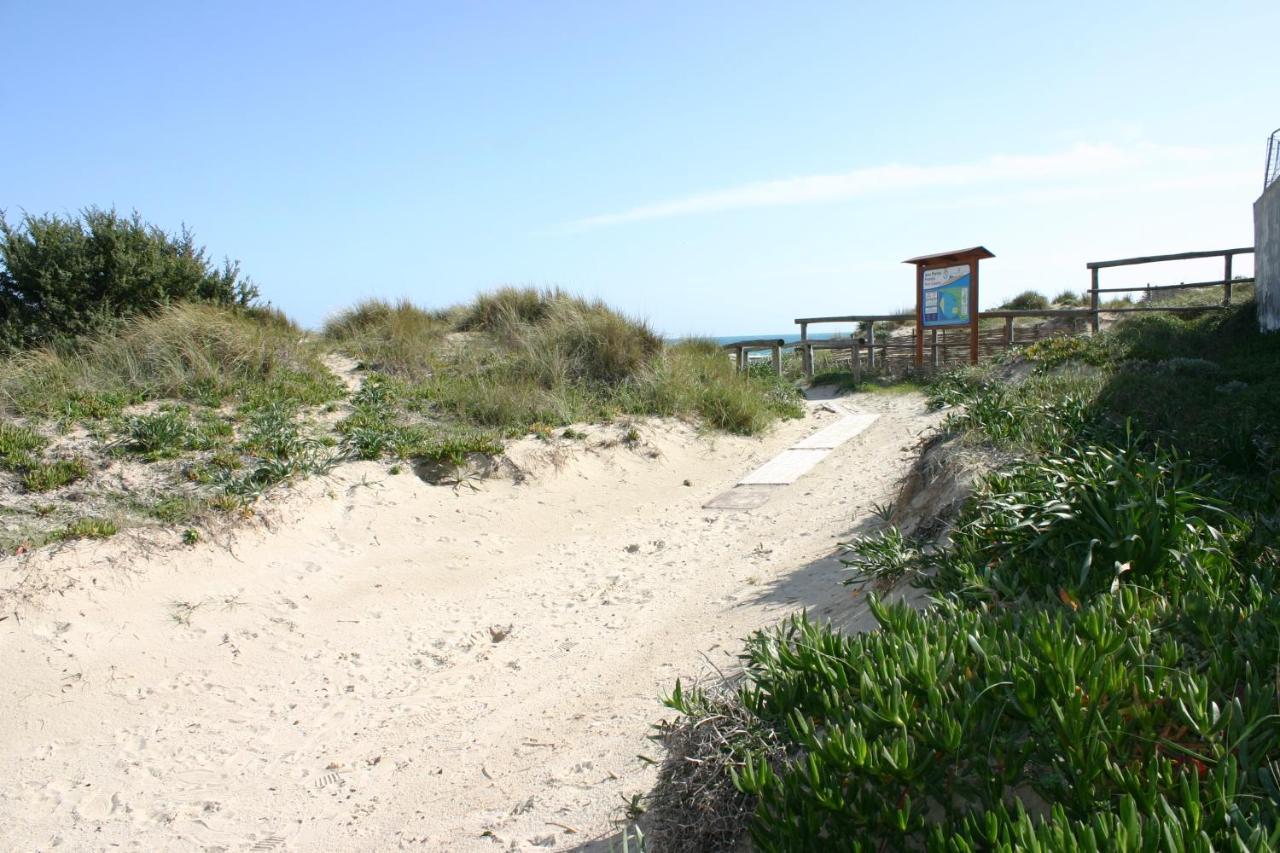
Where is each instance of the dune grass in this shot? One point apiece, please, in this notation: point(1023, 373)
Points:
point(222, 404)
point(396, 338)
point(516, 358)
point(198, 353)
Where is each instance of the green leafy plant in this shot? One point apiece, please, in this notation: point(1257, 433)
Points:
point(1097, 666)
point(884, 555)
point(18, 445)
point(47, 476)
point(88, 528)
point(162, 435)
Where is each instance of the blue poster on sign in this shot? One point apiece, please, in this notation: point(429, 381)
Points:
point(946, 296)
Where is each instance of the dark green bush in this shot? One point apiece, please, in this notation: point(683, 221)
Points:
point(1027, 300)
point(65, 277)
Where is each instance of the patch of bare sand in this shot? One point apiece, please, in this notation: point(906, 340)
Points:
point(390, 664)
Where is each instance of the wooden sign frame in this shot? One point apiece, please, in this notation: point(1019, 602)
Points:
point(943, 260)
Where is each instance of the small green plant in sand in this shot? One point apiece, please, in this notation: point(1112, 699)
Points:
point(47, 476)
point(88, 528)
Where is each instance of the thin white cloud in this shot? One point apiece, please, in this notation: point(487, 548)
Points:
point(1073, 164)
point(1237, 180)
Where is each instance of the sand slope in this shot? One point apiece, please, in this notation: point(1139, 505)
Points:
point(393, 664)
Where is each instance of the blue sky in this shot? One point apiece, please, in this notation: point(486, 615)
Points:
point(718, 168)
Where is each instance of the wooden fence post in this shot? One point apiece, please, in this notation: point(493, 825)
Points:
point(777, 359)
point(1226, 288)
point(1008, 332)
point(806, 351)
point(1093, 300)
point(856, 359)
point(934, 343)
point(871, 344)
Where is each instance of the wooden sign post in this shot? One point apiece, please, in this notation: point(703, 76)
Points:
point(947, 295)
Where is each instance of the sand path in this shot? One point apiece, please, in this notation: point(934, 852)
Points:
point(391, 664)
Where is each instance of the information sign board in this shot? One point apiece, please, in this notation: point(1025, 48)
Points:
point(945, 294)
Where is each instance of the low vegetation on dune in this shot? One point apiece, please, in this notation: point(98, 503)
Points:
point(394, 338)
point(516, 358)
point(1099, 664)
point(160, 393)
point(167, 416)
point(188, 352)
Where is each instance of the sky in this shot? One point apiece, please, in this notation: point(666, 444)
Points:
point(715, 168)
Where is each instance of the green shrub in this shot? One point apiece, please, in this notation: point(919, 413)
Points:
point(1069, 299)
point(448, 448)
point(65, 277)
point(1045, 412)
point(884, 555)
point(372, 429)
point(1027, 300)
point(1089, 519)
point(47, 476)
point(1052, 352)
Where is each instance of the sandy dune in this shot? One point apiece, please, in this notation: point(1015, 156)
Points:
point(391, 664)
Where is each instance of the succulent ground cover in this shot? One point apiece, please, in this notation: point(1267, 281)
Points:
point(1099, 664)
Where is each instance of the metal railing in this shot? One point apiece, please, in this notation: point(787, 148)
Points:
point(1273, 160)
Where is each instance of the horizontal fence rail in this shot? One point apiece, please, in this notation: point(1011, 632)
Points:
point(946, 345)
point(1226, 282)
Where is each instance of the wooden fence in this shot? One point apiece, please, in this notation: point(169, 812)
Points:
point(1095, 303)
point(942, 346)
point(951, 345)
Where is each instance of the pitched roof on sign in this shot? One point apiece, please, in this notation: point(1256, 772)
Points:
point(956, 255)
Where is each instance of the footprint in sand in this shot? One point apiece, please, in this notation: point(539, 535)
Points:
point(328, 780)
